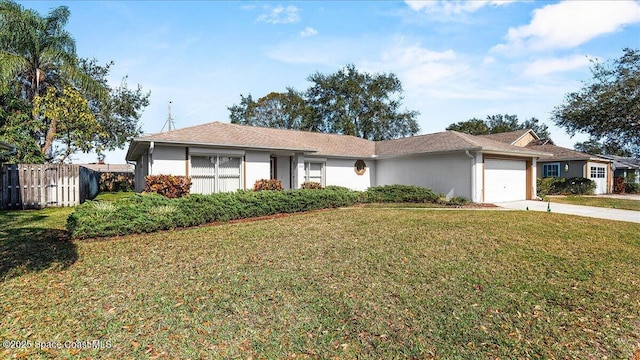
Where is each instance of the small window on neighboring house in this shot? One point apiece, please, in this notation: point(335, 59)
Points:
point(551, 170)
point(360, 167)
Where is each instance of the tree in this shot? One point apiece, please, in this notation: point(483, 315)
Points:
point(498, 124)
point(347, 102)
point(360, 104)
point(595, 147)
point(277, 110)
point(607, 107)
point(39, 64)
point(473, 126)
point(16, 128)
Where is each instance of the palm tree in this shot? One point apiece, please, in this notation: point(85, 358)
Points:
point(37, 53)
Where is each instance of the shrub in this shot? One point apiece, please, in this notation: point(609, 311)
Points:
point(153, 212)
point(618, 185)
point(264, 184)
point(168, 185)
point(632, 188)
point(111, 181)
point(311, 185)
point(458, 200)
point(562, 186)
point(401, 193)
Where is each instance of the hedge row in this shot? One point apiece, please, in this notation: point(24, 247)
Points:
point(153, 212)
point(562, 186)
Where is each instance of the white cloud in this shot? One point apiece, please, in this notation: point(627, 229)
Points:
point(280, 15)
point(453, 7)
point(308, 31)
point(570, 23)
point(547, 66)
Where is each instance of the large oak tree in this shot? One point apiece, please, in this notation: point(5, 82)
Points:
point(607, 107)
point(347, 102)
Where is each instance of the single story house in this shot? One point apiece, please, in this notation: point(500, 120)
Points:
point(565, 163)
point(221, 157)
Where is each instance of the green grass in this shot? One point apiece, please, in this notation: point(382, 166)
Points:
point(113, 196)
point(345, 283)
point(605, 202)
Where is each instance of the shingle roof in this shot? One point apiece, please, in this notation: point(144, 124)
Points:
point(560, 153)
point(506, 137)
point(251, 137)
point(444, 142)
point(224, 134)
point(119, 168)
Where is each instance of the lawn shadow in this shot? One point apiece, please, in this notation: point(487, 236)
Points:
point(25, 249)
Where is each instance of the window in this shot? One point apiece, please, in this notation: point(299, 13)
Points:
point(551, 170)
point(597, 172)
point(314, 172)
point(360, 167)
point(211, 174)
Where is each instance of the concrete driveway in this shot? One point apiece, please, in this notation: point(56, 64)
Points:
point(590, 211)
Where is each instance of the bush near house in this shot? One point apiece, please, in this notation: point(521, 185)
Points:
point(267, 184)
point(402, 193)
point(311, 185)
point(618, 185)
point(562, 186)
point(115, 181)
point(632, 188)
point(170, 186)
point(153, 212)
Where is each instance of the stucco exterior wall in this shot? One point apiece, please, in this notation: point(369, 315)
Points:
point(449, 174)
point(341, 172)
point(257, 166)
point(169, 160)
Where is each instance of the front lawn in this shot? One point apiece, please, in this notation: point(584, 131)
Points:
point(345, 283)
point(598, 202)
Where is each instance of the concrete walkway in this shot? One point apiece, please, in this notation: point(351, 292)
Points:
point(590, 211)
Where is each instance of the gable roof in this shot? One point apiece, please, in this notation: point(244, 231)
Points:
point(446, 142)
point(252, 137)
point(225, 135)
point(510, 137)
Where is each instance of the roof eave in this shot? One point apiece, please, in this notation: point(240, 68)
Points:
point(135, 142)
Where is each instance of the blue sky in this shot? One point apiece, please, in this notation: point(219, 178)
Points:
point(456, 60)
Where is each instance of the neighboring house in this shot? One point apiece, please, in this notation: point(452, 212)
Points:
point(222, 157)
point(113, 168)
point(564, 163)
point(625, 167)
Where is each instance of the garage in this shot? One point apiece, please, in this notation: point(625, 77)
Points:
point(504, 180)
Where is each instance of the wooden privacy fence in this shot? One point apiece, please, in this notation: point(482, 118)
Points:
point(36, 186)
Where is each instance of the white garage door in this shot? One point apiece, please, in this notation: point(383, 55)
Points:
point(505, 180)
